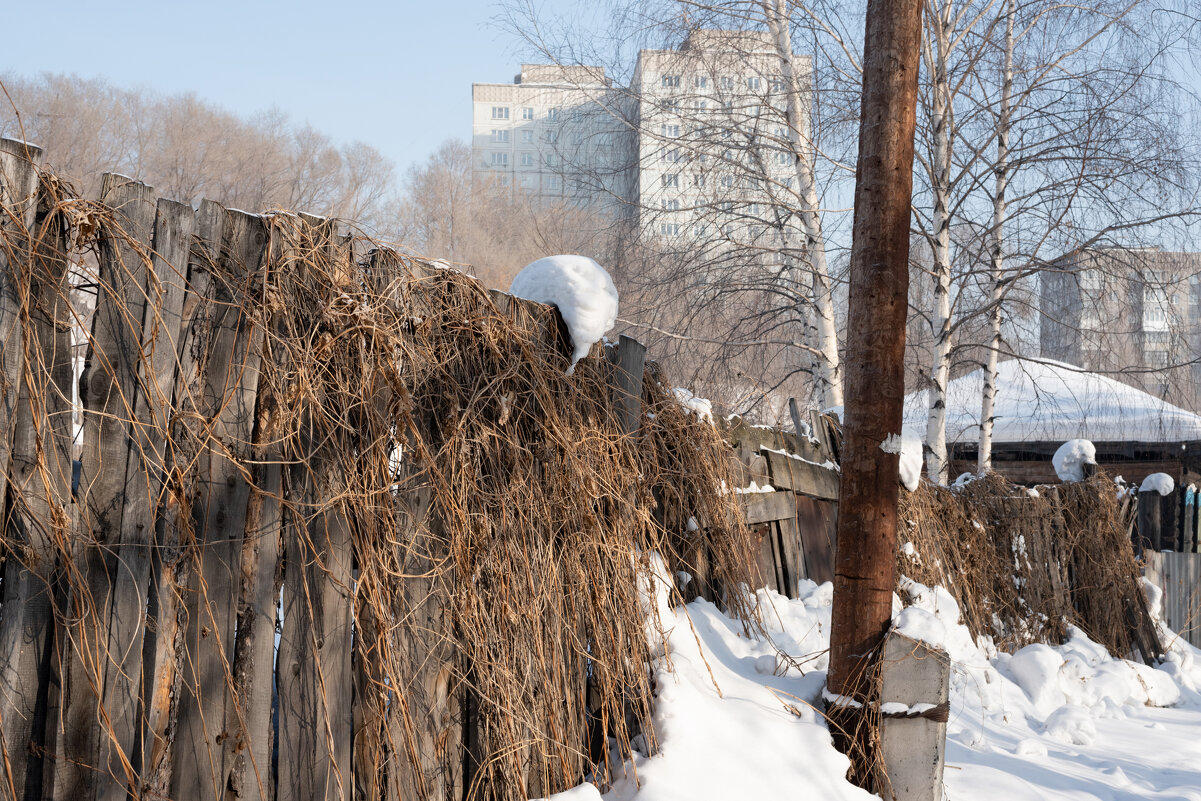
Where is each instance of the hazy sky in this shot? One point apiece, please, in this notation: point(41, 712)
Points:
point(396, 75)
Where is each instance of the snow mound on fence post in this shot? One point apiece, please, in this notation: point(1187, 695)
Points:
point(1072, 456)
point(1158, 482)
point(582, 291)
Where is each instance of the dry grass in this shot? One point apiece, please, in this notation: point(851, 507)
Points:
point(1024, 565)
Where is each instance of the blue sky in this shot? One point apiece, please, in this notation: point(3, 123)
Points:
point(396, 75)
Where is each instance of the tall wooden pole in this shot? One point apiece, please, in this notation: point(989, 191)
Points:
point(875, 380)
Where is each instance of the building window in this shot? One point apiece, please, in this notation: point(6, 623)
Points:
point(701, 82)
point(500, 112)
point(671, 205)
point(669, 130)
point(527, 113)
point(669, 229)
point(727, 82)
point(500, 159)
point(670, 179)
point(727, 181)
point(753, 83)
point(783, 158)
point(700, 105)
point(527, 159)
point(670, 81)
point(527, 137)
point(556, 183)
point(577, 114)
point(500, 136)
point(552, 136)
point(552, 115)
point(698, 179)
point(671, 155)
point(777, 84)
point(577, 139)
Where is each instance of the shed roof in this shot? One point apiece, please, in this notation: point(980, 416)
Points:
point(1047, 401)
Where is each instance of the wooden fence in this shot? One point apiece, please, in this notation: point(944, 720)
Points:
point(186, 589)
point(794, 525)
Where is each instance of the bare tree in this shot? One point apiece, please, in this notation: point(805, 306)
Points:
point(189, 149)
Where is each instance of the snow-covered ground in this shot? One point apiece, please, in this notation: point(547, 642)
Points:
point(736, 715)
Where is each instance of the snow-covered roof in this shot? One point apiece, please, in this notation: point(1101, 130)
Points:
point(1047, 401)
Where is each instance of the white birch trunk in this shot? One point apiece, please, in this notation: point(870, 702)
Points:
point(828, 371)
point(997, 264)
point(937, 464)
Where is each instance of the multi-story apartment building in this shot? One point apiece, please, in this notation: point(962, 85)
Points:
point(697, 150)
point(556, 133)
point(715, 160)
point(1136, 313)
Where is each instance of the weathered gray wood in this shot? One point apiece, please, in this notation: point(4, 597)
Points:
point(764, 507)
point(316, 680)
point(18, 197)
point(816, 525)
point(40, 470)
point(231, 338)
point(627, 383)
point(1150, 521)
point(802, 476)
point(87, 766)
point(795, 413)
point(913, 745)
point(152, 404)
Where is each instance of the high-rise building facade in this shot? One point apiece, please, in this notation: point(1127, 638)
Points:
point(556, 134)
point(698, 150)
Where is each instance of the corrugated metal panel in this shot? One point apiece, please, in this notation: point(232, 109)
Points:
point(1179, 576)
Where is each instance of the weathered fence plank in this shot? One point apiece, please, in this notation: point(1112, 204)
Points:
point(230, 380)
point(97, 742)
point(802, 476)
point(40, 471)
point(160, 329)
point(315, 679)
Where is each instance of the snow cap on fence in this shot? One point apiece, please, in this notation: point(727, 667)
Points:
point(582, 291)
point(1072, 456)
point(1158, 482)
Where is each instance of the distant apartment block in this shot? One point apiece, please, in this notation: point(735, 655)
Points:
point(697, 150)
point(555, 133)
point(1136, 313)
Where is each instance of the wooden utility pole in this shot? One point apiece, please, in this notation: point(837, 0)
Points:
point(875, 380)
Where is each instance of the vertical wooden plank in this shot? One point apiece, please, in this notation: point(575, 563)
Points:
point(150, 505)
point(315, 678)
point(249, 749)
point(35, 277)
point(231, 339)
point(22, 636)
point(627, 382)
point(109, 394)
point(121, 752)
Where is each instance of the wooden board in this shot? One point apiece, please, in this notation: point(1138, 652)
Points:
point(97, 763)
point(816, 521)
point(802, 476)
point(232, 341)
point(38, 438)
point(764, 507)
